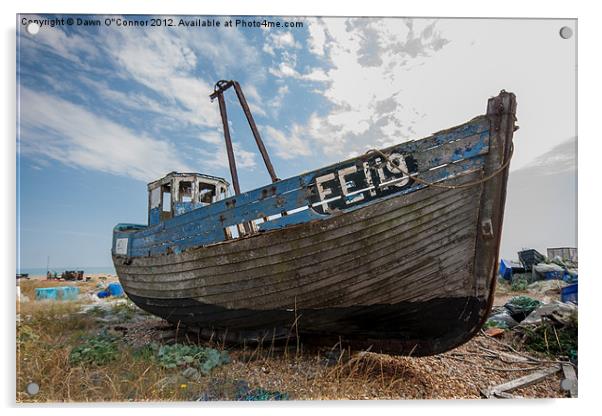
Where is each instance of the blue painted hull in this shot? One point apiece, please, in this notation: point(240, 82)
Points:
point(296, 200)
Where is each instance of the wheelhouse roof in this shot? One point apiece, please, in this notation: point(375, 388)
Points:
point(167, 178)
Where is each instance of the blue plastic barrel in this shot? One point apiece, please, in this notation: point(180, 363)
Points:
point(115, 289)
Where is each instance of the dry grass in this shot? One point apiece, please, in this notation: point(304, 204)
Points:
point(44, 341)
point(48, 331)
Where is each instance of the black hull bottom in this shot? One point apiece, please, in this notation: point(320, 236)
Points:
point(405, 328)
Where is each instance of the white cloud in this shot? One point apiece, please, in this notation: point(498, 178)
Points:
point(285, 40)
point(284, 70)
point(287, 145)
point(560, 159)
point(218, 158)
point(225, 50)
point(165, 64)
point(269, 49)
point(278, 100)
point(254, 100)
point(60, 130)
point(316, 74)
point(363, 80)
point(317, 36)
point(212, 137)
point(72, 47)
point(275, 41)
point(360, 77)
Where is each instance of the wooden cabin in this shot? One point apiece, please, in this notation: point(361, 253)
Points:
point(178, 193)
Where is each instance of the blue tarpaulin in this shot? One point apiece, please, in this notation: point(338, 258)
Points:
point(46, 293)
point(57, 293)
point(103, 294)
point(69, 292)
point(115, 289)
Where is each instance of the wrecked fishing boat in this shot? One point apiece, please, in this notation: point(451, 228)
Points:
point(395, 250)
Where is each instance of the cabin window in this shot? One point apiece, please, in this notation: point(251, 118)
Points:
point(221, 195)
point(165, 202)
point(185, 191)
point(206, 193)
point(155, 198)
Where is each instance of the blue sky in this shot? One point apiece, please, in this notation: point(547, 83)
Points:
point(104, 110)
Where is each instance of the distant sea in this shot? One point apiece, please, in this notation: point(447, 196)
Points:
point(41, 271)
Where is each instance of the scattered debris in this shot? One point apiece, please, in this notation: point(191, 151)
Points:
point(72, 275)
point(553, 331)
point(494, 332)
point(548, 271)
point(501, 390)
point(546, 287)
point(520, 307)
point(245, 393)
point(565, 253)
point(239, 390)
point(500, 318)
point(569, 383)
point(556, 311)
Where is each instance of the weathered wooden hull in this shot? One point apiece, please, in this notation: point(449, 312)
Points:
point(411, 273)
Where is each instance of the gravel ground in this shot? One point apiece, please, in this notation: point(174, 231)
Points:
point(319, 374)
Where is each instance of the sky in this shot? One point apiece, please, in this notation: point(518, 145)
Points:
point(103, 110)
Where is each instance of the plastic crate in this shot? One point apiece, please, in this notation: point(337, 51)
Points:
point(569, 294)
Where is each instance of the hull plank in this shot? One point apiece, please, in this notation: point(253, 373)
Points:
point(368, 255)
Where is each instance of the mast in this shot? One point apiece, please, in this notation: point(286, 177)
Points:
point(218, 92)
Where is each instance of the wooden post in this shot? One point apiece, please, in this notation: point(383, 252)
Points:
point(501, 112)
point(229, 148)
point(260, 145)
